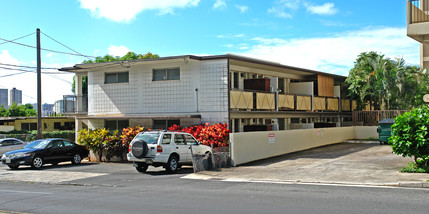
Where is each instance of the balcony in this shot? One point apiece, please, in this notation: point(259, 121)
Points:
point(75, 104)
point(418, 21)
point(265, 101)
point(418, 11)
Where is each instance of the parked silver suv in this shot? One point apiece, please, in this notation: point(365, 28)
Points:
point(168, 149)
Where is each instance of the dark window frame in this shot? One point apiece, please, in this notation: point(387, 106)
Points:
point(166, 123)
point(118, 124)
point(117, 77)
point(166, 76)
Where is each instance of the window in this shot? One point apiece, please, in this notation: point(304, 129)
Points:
point(118, 77)
point(179, 139)
point(57, 125)
point(281, 122)
point(6, 143)
point(190, 140)
point(235, 80)
point(116, 124)
point(69, 125)
point(166, 139)
point(294, 120)
point(164, 124)
point(166, 74)
point(66, 143)
point(28, 126)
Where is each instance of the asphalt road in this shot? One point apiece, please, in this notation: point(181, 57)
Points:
point(119, 188)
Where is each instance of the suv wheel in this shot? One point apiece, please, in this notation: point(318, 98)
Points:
point(139, 148)
point(172, 164)
point(141, 167)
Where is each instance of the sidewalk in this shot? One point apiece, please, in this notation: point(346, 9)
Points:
point(366, 163)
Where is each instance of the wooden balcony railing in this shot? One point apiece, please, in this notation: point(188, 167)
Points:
point(256, 101)
point(241, 100)
point(286, 102)
point(418, 11)
point(265, 101)
point(303, 103)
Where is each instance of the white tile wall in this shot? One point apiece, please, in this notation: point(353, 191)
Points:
point(142, 96)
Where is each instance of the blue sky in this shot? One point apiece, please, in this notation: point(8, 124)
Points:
point(324, 35)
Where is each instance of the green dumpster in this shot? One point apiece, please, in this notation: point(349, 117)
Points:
point(384, 130)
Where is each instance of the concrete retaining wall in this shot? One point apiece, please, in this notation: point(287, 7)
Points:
point(251, 146)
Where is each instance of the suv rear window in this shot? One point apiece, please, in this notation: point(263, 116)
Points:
point(149, 138)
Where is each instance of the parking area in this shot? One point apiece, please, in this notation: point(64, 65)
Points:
point(345, 163)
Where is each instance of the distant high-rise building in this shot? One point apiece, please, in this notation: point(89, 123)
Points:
point(47, 109)
point(15, 96)
point(3, 97)
point(59, 106)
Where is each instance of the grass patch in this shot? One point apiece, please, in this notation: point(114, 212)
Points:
point(414, 168)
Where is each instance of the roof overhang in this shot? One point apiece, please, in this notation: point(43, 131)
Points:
point(83, 68)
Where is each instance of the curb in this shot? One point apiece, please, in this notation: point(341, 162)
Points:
point(244, 180)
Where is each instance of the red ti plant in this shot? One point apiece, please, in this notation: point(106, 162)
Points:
point(216, 134)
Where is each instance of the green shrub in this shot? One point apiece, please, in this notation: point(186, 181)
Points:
point(410, 136)
point(115, 144)
point(69, 135)
point(415, 168)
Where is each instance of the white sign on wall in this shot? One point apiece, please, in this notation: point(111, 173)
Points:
point(271, 138)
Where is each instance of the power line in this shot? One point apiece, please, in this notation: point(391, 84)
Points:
point(13, 74)
point(65, 45)
point(17, 38)
point(60, 52)
point(31, 71)
point(15, 69)
point(23, 66)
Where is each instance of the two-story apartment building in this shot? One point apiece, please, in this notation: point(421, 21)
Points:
point(248, 94)
point(418, 27)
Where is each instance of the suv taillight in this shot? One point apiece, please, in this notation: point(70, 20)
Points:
point(129, 148)
point(159, 148)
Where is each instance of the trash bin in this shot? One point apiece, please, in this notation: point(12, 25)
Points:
point(385, 130)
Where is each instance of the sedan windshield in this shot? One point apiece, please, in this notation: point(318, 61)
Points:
point(38, 144)
point(149, 138)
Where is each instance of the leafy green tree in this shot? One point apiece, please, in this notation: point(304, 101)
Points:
point(380, 81)
point(30, 110)
point(84, 84)
point(3, 111)
point(410, 135)
point(16, 110)
point(109, 58)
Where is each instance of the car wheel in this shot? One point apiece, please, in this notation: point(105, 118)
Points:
point(37, 162)
point(141, 167)
point(172, 164)
point(13, 166)
point(76, 159)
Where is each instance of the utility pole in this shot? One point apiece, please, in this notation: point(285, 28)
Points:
point(39, 88)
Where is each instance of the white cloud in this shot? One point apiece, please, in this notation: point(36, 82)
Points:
point(127, 10)
point(49, 55)
point(219, 4)
point(284, 8)
point(118, 50)
point(231, 36)
point(242, 8)
point(324, 9)
point(336, 54)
